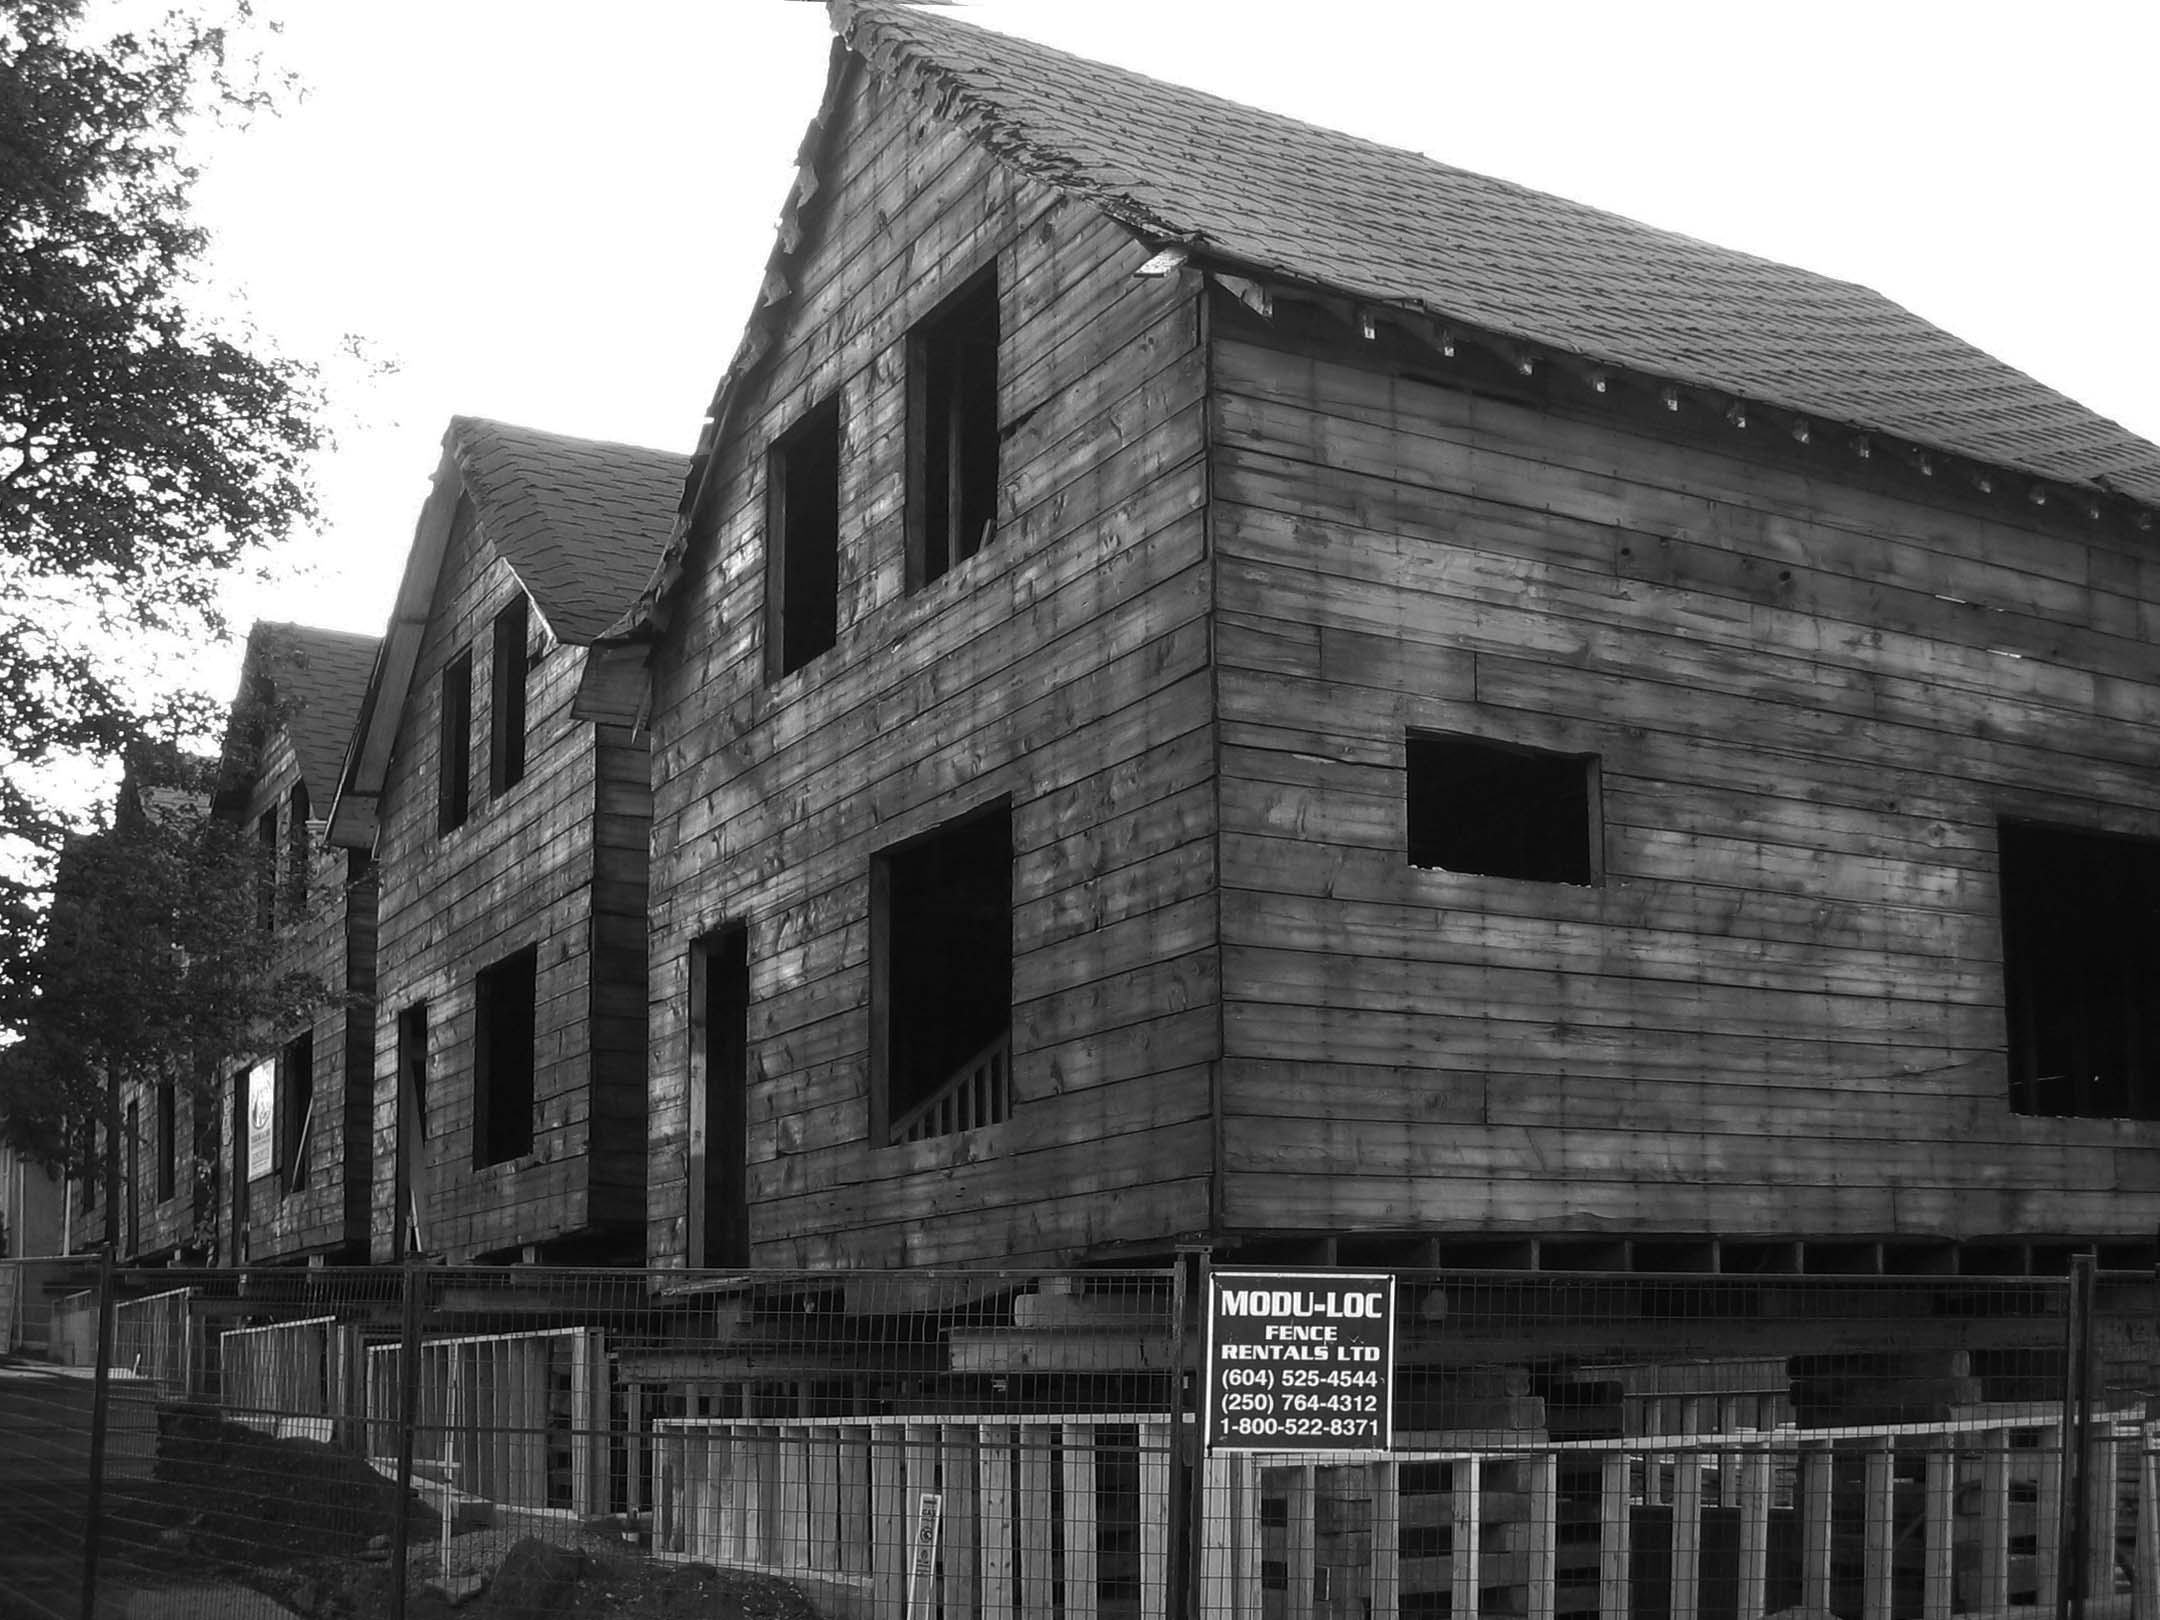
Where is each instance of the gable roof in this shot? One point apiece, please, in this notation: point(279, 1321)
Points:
point(310, 682)
point(580, 522)
point(1258, 192)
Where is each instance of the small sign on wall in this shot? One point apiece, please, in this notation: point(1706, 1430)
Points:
point(261, 1119)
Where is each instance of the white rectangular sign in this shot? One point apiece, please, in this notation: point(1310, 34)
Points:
point(261, 1119)
point(1300, 1361)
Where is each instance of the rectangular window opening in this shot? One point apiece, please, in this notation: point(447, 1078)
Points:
point(1499, 810)
point(412, 1039)
point(803, 544)
point(134, 1176)
point(168, 1139)
point(503, 1059)
point(2081, 958)
point(720, 1074)
point(297, 855)
point(941, 980)
point(454, 796)
point(266, 870)
point(296, 1108)
point(506, 712)
point(953, 431)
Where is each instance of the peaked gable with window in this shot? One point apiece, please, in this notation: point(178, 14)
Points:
point(1504, 724)
point(511, 837)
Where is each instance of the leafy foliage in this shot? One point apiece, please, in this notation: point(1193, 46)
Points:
point(156, 965)
point(146, 450)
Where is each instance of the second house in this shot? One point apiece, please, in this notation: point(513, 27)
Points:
point(509, 1115)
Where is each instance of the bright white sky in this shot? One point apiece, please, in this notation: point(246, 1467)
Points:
point(557, 213)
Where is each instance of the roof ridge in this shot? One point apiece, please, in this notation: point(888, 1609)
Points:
point(1263, 194)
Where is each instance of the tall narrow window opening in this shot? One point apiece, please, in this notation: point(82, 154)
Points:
point(506, 712)
point(719, 1080)
point(953, 431)
point(168, 1140)
point(134, 1176)
point(298, 857)
point(802, 617)
point(412, 1166)
point(2081, 963)
point(503, 1059)
point(454, 795)
point(941, 980)
point(266, 870)
point(296, 1108)
point(1501, 810)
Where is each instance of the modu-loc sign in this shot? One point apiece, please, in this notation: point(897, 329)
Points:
point(1300, 1361)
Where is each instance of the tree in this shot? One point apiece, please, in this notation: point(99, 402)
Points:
point(156, 967)
point(147, 450)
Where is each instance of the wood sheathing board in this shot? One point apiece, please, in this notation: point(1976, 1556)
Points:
point(300, 690)
point(332, 937)
point(537, 866)
point(1811, 696)
point(1064, 666)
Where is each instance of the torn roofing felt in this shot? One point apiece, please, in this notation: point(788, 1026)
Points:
point(308, 682)
point(1258, 194)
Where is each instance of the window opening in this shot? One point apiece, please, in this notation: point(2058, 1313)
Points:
point(503, 1061)
point(719, 1152)
point(941, 986)
point(266, 870)
point(953, 432)
point(168, 1147)
point(296, 1108)
point(412, 1036)
point(803, 551)
point(1501, 811)
point(454, 801)
point(506, 714)
point(2081, 958)
point(134, 1176)
point(297, 858)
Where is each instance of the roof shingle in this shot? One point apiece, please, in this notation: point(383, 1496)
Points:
point(1258, 191)
point(581, 521)
point(315, 681)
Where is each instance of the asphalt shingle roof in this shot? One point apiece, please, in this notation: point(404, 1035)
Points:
point(581, 521)
point(316, 680)
point(1255, 190)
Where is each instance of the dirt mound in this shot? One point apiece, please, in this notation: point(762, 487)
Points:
point(248, 1495)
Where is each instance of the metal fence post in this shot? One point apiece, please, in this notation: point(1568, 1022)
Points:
point(1178, 1591)
point(408, 1412)
point(101, 1393)
point(2074, 1527)
point(1191, 1430)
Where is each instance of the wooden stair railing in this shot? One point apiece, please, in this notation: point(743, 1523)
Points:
point(978, 1093)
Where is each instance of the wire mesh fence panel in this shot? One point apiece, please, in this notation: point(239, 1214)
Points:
point(992, 1445)
point(1635, 1446)
point(46, 1409)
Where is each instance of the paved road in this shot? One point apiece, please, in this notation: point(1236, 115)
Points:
point(45, 1414)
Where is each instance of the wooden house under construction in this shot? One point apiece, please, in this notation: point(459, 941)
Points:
point(509, 1095)
point(292, 1130)
point(1222, 683)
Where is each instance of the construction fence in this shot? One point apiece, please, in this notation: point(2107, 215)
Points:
point(1130, 1444)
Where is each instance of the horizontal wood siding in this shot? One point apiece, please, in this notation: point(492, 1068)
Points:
point(522, 871)
point(1781, 1010)
point(331, 939)
point(326, 1214)
point(622, 839)
point(1064, 666)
